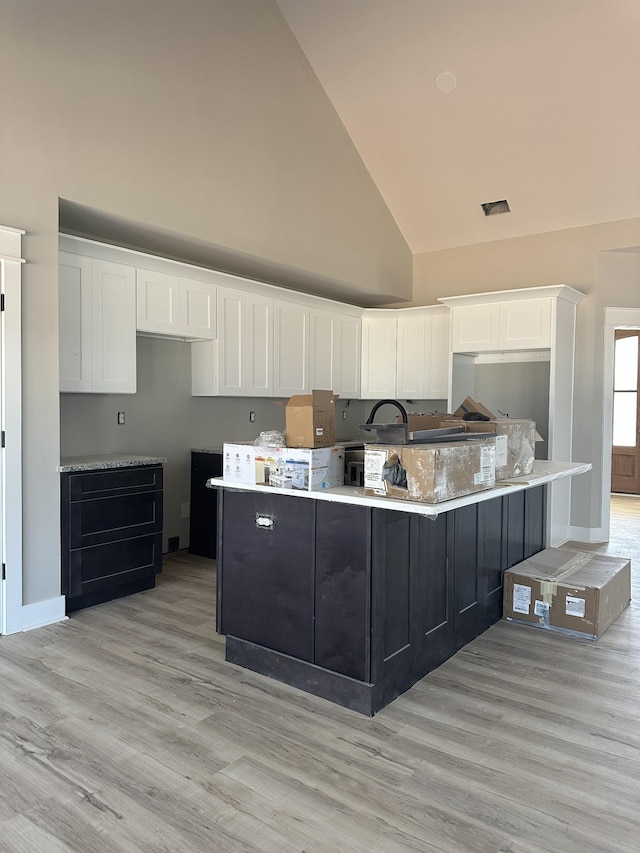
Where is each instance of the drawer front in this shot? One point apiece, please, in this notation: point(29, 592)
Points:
point(95, 522)
point(103, 567)
point(115, 481)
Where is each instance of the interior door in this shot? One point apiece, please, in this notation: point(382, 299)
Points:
point(625, 453)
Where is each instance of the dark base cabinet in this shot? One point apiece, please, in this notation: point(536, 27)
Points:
point(203, 525)
point(111, 533)
point(357, 604)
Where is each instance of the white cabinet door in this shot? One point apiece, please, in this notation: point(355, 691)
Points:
point(240, 362)
point(258, 346)
point(197, 310)
point(525, 324)
point(114, 327)
point(75, 323)
point(174, 306)
point(437, 355)
point(475, 328)
point(379, 335)
point(158, 302)
point(335, 352)
point(411, 355)
point(347, 361)
point(291, 348)
point(97, 321)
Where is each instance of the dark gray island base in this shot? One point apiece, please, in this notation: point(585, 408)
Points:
point(356, 603)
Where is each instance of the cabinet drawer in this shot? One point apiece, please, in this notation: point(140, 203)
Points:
point(112, 482)
point(101, 520)
point(113, 565)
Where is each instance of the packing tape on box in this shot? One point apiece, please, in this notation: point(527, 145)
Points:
point(548, 588)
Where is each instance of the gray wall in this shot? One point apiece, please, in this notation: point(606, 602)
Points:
point(201, 118)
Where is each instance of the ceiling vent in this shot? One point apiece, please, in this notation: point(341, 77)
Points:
point(493, 208)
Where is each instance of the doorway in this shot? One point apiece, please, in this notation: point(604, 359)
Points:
point(625, 451)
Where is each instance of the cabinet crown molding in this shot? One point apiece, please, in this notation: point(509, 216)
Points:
point(559, 291)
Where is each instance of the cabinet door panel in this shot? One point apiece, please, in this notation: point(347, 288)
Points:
point(322, 367)
point(75, 323)
point(347, 365)
point(410, 354)
point(379, 335)
point(231, 344)
point(114, 328)
point(438, 357)
point(203, 516)
point(525, 324)
point(342, 624)
point(100, 570)
point(197, 310)
point(291, 348)
point(103, 520)
point(267, 574)
point(158, 302)
point(475, 328)
point(257, 380)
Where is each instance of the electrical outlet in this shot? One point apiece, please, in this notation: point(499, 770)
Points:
point(121, 418)
point(185, 510)
point(252, 416)
point(344, 416)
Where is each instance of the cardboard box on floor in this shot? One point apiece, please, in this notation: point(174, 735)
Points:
point(310, 419)
point(434, 472)
point(573, 592)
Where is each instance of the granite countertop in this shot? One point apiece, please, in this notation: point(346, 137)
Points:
point(98, 462)
point(207, 449)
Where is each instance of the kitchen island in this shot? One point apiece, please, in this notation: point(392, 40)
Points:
point(355, 598)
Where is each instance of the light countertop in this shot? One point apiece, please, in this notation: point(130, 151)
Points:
point(544, 472)
point(101, 461)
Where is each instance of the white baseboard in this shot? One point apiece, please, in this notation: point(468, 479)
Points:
point(590, 535)
point(37, 615)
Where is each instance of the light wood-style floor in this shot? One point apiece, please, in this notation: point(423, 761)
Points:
point(124, 730)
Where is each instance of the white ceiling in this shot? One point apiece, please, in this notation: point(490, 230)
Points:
point(545, 113)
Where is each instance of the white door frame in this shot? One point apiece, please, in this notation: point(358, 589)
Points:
point(614, 318)
point(11, 426)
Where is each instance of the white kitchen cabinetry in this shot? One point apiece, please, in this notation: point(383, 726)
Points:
point(516, 327)
point(175, 306)
point(291, 348)
point(240, 362)
point(335, 352)
point(97, 325)
point(405, 353)
point(516, 324)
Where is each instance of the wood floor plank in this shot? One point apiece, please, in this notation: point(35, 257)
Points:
point(123, 730)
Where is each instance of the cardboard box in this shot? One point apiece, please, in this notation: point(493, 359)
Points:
point(303, 469)
point(434, 472)
point(471, 405)
point(416, 423)
point(310, 420)
point(238, 464)
point(574, 592)
point(515, 443)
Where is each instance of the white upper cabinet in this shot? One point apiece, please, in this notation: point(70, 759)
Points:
point(97, 325)
point(508, 321)
point(291, 348)
point(240, 362)
point(335, 352)
point(175, 306)
point(405, 353)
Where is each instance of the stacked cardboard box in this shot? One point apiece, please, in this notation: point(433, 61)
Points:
point(306, 469)
point(311, 419)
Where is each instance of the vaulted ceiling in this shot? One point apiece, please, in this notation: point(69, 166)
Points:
point(452, 103)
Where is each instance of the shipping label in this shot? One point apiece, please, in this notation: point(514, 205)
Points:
point(521, 598)
point(575, 606)
point(487, 473)
point(501, 450)
point(373, 464)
